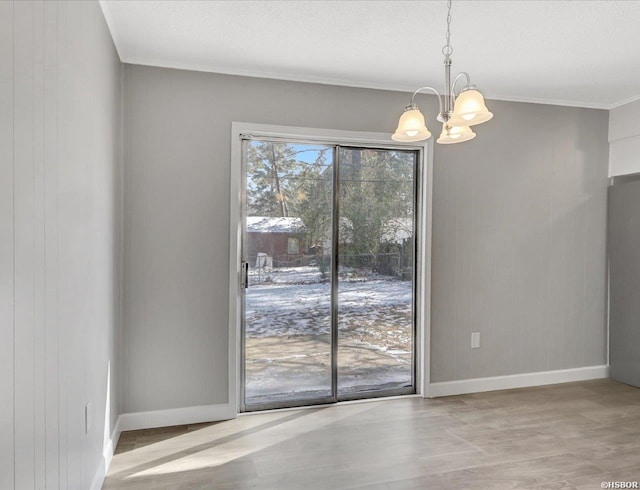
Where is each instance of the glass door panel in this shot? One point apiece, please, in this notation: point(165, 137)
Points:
point(375, 317)
point(316, 329)
point(288, 247)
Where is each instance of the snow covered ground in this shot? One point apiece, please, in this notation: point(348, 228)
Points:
point(288, 333)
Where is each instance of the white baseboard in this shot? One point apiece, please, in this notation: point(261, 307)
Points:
point(213, 413)
point(478, 385)
point(153, 419)
point(107, 452)
point(98, 478)
point(110, 447)
point(176, 416)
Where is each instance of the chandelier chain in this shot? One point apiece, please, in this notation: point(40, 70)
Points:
point(447, 50)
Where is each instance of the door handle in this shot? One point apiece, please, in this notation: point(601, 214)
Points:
point(244, 270)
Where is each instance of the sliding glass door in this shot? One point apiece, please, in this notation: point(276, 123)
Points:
point(329, 259)
point(287, 248)
point(375, 280)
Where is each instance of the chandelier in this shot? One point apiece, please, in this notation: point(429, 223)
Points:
point(458, 112)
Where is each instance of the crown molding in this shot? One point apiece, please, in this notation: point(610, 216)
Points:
point(556, 102)
point(624, 102)
point(291, 77)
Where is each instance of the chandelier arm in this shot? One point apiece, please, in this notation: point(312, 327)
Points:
point(432, 90)
point(458, 77)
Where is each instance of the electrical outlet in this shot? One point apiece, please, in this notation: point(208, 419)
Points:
point(87, 418)
point(475, 340)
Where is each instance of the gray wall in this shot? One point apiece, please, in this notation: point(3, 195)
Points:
point(518, 238)
point(623, 244)
point(519, 233)
point(60, 114)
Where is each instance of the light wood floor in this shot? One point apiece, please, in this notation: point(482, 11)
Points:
point(569, 436)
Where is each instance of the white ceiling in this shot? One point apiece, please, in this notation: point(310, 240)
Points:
point(581, 53)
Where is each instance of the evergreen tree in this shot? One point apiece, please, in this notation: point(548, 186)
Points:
point(313, 200)
point(269, 166)
point(376, 200)
point(376, 196)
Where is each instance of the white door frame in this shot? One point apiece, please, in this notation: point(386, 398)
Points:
point(423, 279)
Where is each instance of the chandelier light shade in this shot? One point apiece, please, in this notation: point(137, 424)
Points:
point(455, 134)
point(470, 109)
point(411, 126)
point(458, 111)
